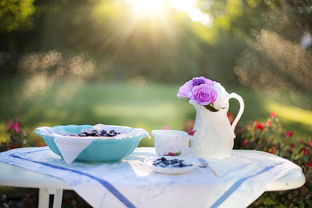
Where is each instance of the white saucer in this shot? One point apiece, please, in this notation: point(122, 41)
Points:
point(173, 170)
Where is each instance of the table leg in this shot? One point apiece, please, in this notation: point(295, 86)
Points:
point(44, 195)
point(57, 202)
point(43, 198)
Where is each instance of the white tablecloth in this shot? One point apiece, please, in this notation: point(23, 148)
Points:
point(233, 182)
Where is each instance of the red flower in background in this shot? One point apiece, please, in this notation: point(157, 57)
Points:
point(309, 164)
point(13, 126)
point(166, 127)
point(310, 144)
point(230, 116)
point(258, 125)
point(292, 145)
point(272, 115)
point(9, 124)
point(17, 127)
point(273, 150)
point(304, 151)
point(268, 123)
point(245, 142)
point(290, 133)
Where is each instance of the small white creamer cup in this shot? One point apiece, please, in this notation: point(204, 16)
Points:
point(174, 141)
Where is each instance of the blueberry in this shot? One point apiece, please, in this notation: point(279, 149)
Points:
point(163, 159)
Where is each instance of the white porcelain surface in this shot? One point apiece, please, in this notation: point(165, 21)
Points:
point(214, 136)
point(166, 141)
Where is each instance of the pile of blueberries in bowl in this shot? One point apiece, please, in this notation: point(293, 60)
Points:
point(95, 133)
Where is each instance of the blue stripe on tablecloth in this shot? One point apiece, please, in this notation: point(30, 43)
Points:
point(236, 185)
point(105, 183)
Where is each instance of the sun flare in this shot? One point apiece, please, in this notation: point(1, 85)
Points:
point(152, 8)
point(156, 9)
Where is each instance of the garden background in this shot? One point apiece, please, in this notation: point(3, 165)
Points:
point(122, 62)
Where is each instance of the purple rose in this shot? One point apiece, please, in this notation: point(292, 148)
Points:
point(201, 80)
point(185, 90)
point(197, 81)
point(204, 94)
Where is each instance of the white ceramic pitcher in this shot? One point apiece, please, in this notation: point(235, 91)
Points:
point(214, 136)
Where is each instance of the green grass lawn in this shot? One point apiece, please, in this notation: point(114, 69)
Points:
point(150, 106)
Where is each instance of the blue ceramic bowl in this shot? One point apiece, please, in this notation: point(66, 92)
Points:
point(101, 149)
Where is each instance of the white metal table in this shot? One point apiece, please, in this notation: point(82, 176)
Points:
point(19, 177)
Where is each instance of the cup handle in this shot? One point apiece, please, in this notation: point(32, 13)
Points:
point(241, 108)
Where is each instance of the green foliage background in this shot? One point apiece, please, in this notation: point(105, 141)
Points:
point(124, 47)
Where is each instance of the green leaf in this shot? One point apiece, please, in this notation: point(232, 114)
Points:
point(210, 108)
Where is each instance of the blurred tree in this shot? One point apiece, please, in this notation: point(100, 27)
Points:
point(16, 15)
point(15, 19)
point(109, 32)
point(127, 40)
point(274, 57)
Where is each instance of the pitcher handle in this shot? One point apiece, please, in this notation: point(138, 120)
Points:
point(241, 108)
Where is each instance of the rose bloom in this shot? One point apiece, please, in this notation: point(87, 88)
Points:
point(309, 164)
point(245, 142)
point(17, 127)
point(202, 80)
point(304, 151)
point(290, 133)
point(273, 150)
point(204, 94)
point(230, 117)
point(268, 123)
point(185, 91)
point(258, 125)
point(272, 115)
